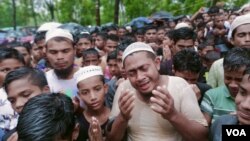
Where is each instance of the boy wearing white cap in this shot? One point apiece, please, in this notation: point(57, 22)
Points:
point(92, 90)
point(60, 52)
point(153, 106)
point(239, 36)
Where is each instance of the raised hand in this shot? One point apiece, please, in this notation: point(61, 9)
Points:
point(126, 104)
point(162, 102)
point(95, 131)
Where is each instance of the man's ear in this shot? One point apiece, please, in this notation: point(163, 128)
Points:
point(76, 131)
point(46, 89)
point(231, 41)
point(158, 62)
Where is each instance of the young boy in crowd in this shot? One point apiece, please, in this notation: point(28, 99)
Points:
point(187, 65)
point(21, 85)
point(36, 123)
point(10, 59)
point(100, 42)
point(114, 83)
point(111, 45)
point(219, 32)
point(90, 57)
point(24, 49)
point(112, 64)
point(83, 42)
point(36, 54)
point(242, 115)
point(92, 90)
point(220, 101)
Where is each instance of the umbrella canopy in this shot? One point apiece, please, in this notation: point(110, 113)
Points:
point(161, 15)
point(74, 28)
point(139, 22)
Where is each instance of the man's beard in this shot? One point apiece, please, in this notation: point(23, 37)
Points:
point(64, 73)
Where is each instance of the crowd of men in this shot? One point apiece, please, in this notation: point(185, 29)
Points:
point(169, 80)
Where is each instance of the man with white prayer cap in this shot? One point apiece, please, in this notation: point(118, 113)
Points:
point(60, 52)
point(48, 26)
point(38, 49)
point(239, 36)
point(150, 106)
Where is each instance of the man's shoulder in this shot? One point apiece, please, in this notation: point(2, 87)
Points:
point(216, 90)
point(218, 62)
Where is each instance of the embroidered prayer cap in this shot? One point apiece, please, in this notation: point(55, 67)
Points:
point(181, 25)
point(238, 21)
point(58, 32)
point(48, 26)
point(87, 72)
point(243, 7)
point(135, 47)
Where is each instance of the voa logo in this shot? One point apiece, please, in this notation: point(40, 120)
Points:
point(236, 132)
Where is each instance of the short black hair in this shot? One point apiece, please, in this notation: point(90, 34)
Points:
point(183, 33)
point(124, 44)
point(187, 60)
point(39, 36)
point(139, 31)
point(89, 51)
point(113, 37)
point(111, 27)
point(112, 55)
point(213, 10)
point(149, 27)
point(103, 35)
point(212, 56)
point(46, 117)
point(247, 70)
point(85, 36)
point(26, 45)
point(10, 53)
point(236, 58)
point(36, 76)
point(203, 45)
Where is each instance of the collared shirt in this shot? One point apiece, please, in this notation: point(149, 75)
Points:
point(217, 102)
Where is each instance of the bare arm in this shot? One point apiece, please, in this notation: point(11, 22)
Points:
point(119, 126)
point(201, 10)
point(118, 129)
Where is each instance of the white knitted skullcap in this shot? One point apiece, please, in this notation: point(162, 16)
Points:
point(48, 26)
point(181, 25)
point(135, 47)
point(58, 32)
point(243, 7)
point(238, 21)
point(86, 72)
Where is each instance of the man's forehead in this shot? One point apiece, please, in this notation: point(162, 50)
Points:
point(246, 26)
point(141, 54)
